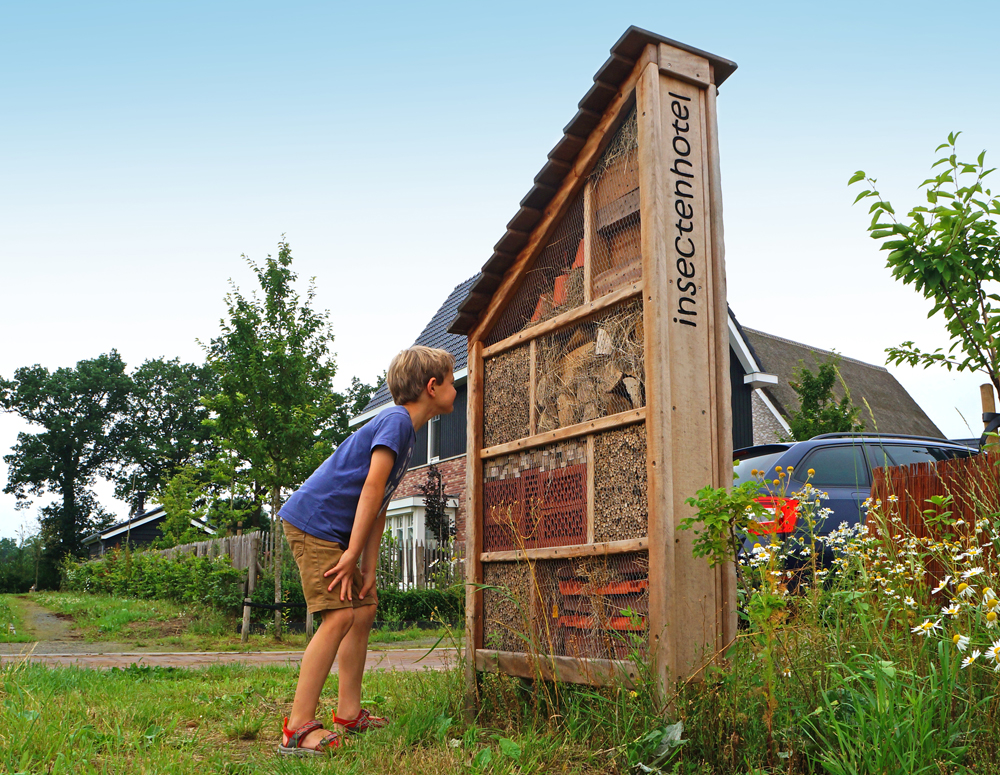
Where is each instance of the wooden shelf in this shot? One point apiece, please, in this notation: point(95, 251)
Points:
point(569, 432)
point(596, 672)
point(564, 552)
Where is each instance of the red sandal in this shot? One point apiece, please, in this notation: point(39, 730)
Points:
point(295, 737)
point(362, 723)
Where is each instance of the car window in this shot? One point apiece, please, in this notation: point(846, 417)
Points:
point(914, 453)
point(842, 466)
point(877, 457)
point(763, 462)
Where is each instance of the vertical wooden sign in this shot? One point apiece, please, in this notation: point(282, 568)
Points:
point(692, 606)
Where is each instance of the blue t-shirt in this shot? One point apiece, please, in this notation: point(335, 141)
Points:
point(325, 505)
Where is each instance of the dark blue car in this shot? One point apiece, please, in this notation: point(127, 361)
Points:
point(843, 464)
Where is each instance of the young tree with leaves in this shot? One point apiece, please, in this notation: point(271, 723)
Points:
point(949, 250)
point(275, 395)
point(819, 410)
point(164, 427)
point(78, 412)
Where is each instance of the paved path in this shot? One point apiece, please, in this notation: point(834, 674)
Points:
point(389, 659)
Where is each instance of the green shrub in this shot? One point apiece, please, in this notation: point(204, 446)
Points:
point(414, 605)
point(149, 575)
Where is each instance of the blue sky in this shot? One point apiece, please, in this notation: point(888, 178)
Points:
point(145, 146)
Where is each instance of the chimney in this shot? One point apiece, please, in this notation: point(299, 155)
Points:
point(140, 503)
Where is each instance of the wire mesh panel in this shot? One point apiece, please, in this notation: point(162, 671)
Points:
point(555, 283)
point(620, 497)
point(593, 607)
point(616, 252)
point(536, 498)
point(505, 396)
point(591, 369)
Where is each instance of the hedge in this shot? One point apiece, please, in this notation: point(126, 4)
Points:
point(215, 582)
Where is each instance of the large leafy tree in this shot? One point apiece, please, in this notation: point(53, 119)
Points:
point(949, 250)
point(819, 409)
point(275, 372)
point(77, 412)
point(164, 428)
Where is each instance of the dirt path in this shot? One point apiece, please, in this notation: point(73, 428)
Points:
point(59, 643)
point(54, 633)
point(388, 659)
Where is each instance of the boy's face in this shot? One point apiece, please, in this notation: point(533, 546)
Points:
point(443, 395)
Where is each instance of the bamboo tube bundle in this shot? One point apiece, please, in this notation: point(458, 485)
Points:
point(507, 608)
point(505, 392)
point(620, 491)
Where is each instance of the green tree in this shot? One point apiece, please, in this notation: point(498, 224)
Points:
point(949, 251)
point(183, 498)
point(78, 411)
point(819, 410)
point(275, 396)
point(350, 404)
point(164, 427)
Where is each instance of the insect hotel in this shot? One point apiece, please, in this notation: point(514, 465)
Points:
point(599, 394)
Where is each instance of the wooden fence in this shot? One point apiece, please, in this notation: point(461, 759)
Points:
point(972, 482)
point(242, 550)
point(409, 565)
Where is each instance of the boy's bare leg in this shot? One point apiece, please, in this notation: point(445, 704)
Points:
point(351, 664)
point(316, 663)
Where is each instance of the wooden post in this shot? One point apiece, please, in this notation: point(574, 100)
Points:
point(687, 355)
point(309, 625)
point(989, 407)
point(473, 524)
point(421, 568)
point(251, 585)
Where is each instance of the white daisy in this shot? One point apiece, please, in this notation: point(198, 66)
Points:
point(942, 585)
point(910, 602)
point(928, 626)
point(961, 641)
point(989, 594)
point(991, 620)
point(976, 653)
point(993, 653)
point(952, 610)
point(972, 572)
point(966, 590)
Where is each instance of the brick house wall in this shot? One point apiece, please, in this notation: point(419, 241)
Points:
point(453, 476)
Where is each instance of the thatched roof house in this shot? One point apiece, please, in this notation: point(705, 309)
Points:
point(886, 407)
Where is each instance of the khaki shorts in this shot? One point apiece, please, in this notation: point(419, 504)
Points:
point(314, 556)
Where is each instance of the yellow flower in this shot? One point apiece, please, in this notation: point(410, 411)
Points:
point(781, 475)
point(777, 481)
point(790, 469)
point(778, 469)
point(962, 587)
point(811, 472)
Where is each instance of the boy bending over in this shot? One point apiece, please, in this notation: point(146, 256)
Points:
point(335, 519)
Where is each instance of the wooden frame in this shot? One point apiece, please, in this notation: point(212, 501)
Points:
point(691, 606)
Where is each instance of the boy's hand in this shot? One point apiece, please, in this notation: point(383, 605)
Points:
point(343, 574)
point(368, 582)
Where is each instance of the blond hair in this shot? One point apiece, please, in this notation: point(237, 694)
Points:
point(412, 369)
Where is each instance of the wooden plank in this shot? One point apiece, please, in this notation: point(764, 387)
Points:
point(562, 552)
point(685, 66)
point(590, 489)
point(473, 523)
point(569, 432)
point(595, 672)
point(565, 319)
point(589, 234)
point(558, 206)
point(532, 396)
point(658, 408)
point(726, 572)
point(618, 210)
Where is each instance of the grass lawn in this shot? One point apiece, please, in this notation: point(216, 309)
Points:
point(169, 626)
point(12, 621)
point(227, 719)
